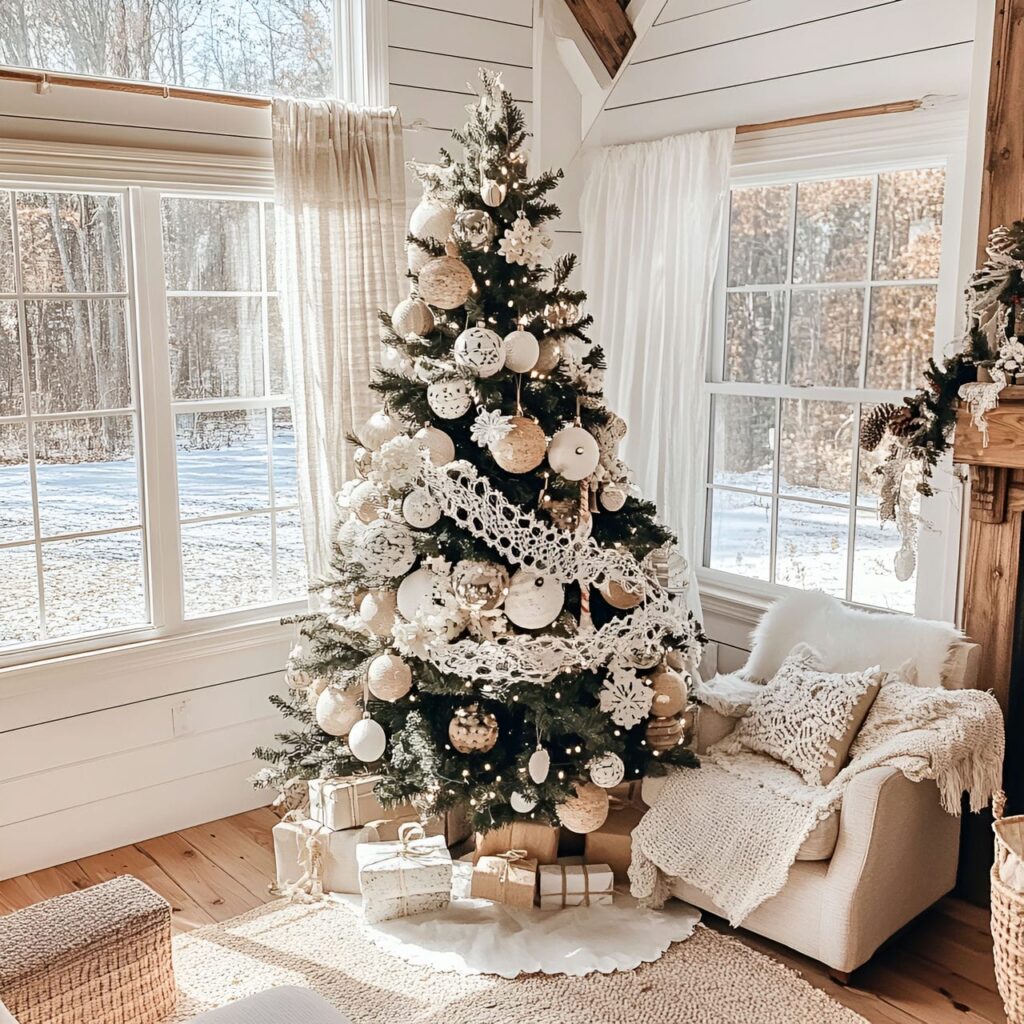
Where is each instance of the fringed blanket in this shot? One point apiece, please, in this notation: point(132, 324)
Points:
point(705, 829)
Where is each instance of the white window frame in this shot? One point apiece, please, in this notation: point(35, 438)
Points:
point(835, 150)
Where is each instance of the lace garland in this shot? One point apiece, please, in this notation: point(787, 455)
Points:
point(981, 398)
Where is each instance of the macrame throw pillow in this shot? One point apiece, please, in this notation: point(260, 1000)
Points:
point(807, 718)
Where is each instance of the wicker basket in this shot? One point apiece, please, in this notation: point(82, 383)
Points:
point(1008, 910)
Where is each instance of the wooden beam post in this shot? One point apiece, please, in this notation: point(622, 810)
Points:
point(605, 24)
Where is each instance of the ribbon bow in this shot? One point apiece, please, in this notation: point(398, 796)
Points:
point(311, 841)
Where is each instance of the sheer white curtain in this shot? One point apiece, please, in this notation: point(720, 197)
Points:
point(340, 218)
point(652, 222)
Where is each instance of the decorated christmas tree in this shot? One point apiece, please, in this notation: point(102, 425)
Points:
point(504, 627)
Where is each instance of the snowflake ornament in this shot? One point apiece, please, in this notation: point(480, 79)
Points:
point(625, 697)
point(490, 427)
point(397, 463)
point(413, 638)
point(523, 244)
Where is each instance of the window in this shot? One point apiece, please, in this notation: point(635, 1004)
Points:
point(827, 306)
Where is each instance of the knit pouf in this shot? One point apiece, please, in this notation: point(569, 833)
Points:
point(99, 956)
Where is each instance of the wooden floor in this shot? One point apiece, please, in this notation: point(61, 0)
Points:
point(937, 972)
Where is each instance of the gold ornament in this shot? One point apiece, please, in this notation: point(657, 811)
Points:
point(388, 677)
point(664, 733)
point(412, 316)
point(480, 586)
point(548, 356)
point(670, 693)
point(618, 596)
point(473, 730)
point(493, 192)
point(475, 229)
point(522, 448)
point(586, 810)
point(445, 282)
point(561, 313)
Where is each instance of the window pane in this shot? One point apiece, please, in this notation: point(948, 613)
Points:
point(93, 584)
point(759, 235)
point(291, 558)
point(874, 582)
point(86, 474)
point(15, 485)
point(227, 565)
point(270, 236)
point(216, 347)
point(78, 354)
point(274, 46)
point(19, 596)
point(816, 450)
point(825, 329)
point(908, 228)
point(12, 398)
point(741, 526)
point(279, 381)
point(211, 245)
point(744, 441)
point(753, 336)
point(810, 551)
point(832, 219)
point(901, 335)
point(70, 242)
point(286, 484)
point(6, 244)
point(222, 462)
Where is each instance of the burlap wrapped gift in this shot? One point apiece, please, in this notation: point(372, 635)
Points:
point(540, 841)
point(509, 878)
point(612, 843)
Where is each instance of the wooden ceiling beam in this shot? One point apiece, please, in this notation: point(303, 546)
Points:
point(605, 24)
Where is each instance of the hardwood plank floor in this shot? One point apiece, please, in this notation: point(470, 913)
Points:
point(938, 971)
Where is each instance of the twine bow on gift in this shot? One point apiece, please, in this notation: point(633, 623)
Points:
point(409, 833)
point(508, 858)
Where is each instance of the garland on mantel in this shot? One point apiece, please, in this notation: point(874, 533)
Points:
point(992, 355)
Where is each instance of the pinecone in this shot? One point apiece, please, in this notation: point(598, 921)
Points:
point(874, 425)
point(901, 423)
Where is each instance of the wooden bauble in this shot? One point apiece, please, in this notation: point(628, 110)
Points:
point(618, 597)
point(412, 316)
point(480, 351)
point(493, 192)
point(533, 600)
point(664, 733)
point(573, 453)
point(420, 510)
point(606, 770)
point(586, 810)
point(521, 351)
point(337, 711)
point(474, 229)
point(380, 427)
point(377, 610)
point(440, 446)
point(367, 740)
point(450, 399)
point(386, 548)
point(522, 448)
point(612, 497)
point(431, 219)
point(445, 282)
point(472, 730)
point(669, 693)
point(539, 765)
point(388, 677)
point(548, 356)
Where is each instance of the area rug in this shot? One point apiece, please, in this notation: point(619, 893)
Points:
point(709, 979)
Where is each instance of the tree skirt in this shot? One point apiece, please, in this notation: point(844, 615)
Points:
point(709, 979)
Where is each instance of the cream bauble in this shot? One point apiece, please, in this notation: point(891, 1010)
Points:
point(445, 282)
point(412, 316)
point(431, 219)
point(480, 350)
point(664, 733)
point(670, 693)
point(521, 804)
point(475, 229)
point(337, 711)
point(586, 810)
point(427, 592)
point(573, 453)
point(386, 548)
point(606, 770)
point(618, 596)
point(416, 257)
point(522, 448)
point(367, 740)
point(548, 356)
point(450, 399)
point(440, 446)
point(349, 535)
point(472, 730)
point(388, 677)
point(419, 509)
point(380, 427)
point(521, 351)
point(533, 600)
point(493, 192)
point(365, 501)
point(612, 497)
point(377, 610)
point(539, 765)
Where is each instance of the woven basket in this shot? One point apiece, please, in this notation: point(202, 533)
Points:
point(1008, 910)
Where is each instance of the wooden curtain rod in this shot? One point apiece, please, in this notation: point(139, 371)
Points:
point(899, 107)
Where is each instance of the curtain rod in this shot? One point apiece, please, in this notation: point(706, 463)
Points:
point(898, 107)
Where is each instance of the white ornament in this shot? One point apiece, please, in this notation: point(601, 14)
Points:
point(412, 316)
point(420, 510)
point(625, 697)
point(521, 804)
point(337, 711)
point(388, 677)
point(490, 427)
point(377, 610)
point(606, 770)
point(493, 192)
point(380, 427)
point(365, 501)
point(480, 350)
point(534, 600)
point(905, 562)
point(539, 765)
point(349, 534)
point(427, 597)
point(449, 399)
point(386, 548)
point(521, 351)
point(431, 219)
point(367, 740)
point(440, 446)
point(523, 244)
point(573, 453)
point(396, 463)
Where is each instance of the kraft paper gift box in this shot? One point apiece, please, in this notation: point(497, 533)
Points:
point(612, 843)
point(573, 885)
point(295, 843)
point(510, 879)
point(540, 841)
point(393, 876)
point(349, 802)
point(453, 825)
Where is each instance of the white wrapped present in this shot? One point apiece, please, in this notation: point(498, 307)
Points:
point(313, 859)
point(349, 802)
point(573, 884)
point(392, 875)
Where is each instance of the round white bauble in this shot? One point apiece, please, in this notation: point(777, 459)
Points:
point(380, 427)
point(521, 804)
point(449, 399)
point(391, 359)
point(586, 810)
point(612, 497)
point(364, 501)
point(539, 765)
point(618, 596)
point(440, 446)
point(388, 677)
point(573, 453)
point(533, 600)
point(521, 351)
point(337, 711)
point(416, 257)
point(606, 770)
point(445, 282)
point(386, 548)
point(377, 610)
point(431, 219)
point(412, 316)
point(419, 509)
point(367, 740)
point(349, 534)
point(474, 229)
point(493, 192)
point(480, 350)
point(427, 592)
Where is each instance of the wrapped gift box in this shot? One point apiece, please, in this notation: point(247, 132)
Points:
point(293, 849)
point(509, 879)
point(390, 874)
point(377, 910)
point(572, 885)
point(453, 825)
point(349, 802)
point(540, 841)
point(612, 843)
point(626, 793)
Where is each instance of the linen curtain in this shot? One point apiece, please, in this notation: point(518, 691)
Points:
point(340, 231)
point(651, 215)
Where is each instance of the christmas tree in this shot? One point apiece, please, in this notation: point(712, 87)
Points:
point(503, 627)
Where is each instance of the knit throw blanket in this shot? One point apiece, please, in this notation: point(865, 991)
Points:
point(705, 829)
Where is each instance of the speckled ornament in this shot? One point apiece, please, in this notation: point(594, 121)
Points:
point(573, 453)
point(618, 596)
point(420, 510)
point(412, 316)
point(521, 351)
point(548, 356)
point(606, 770)
point(377, 610)
point(475, 229)
point(386, 548)
point(472, 730)
point(445, 282)
point(670, 693)
point(664, 733)
point(450, 399)
point(380, 427)
point(480, 351)
point(388, 677)
point(440, 446)
point(533, 600)
point(522, 448)
point(586, 810)
point(337, 711)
